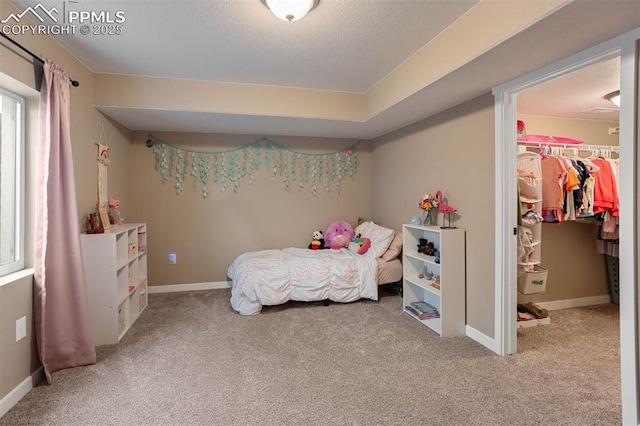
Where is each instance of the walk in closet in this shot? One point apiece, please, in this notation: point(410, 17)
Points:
point(567, 233)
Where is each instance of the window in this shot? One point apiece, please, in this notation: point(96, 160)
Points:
point(11, 182)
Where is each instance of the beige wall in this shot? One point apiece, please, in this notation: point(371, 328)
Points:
point(85, 119)
point(234, 98)
point(17, 359)
point(575, 269)
point(16, 299)
point(208, 233)
point(591, 132)
point(454, 152)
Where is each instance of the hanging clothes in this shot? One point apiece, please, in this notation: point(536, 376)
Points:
point(576, 188)
point(605, 191)
point(554, 174)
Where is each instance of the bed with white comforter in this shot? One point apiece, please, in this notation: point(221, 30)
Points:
point(273, 277)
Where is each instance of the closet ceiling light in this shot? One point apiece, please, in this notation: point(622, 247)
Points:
point(613, 97)
point(290, 10)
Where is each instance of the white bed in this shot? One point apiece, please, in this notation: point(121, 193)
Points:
point(273, 277)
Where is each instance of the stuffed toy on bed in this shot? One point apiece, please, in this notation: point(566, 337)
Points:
point(359, 245)
point(317, 240)
point(339, 234)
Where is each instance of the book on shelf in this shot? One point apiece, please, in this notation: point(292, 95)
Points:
point(420, 315)
point(424, 307)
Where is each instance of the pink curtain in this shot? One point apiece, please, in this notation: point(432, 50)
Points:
point(63, 324)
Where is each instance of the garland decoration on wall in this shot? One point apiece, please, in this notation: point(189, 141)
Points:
point(228, 167)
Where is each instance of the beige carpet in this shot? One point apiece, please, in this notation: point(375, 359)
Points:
point(191, 360)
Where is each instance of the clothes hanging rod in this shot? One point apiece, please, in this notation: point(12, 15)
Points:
point(580, 147)
point(74, 83)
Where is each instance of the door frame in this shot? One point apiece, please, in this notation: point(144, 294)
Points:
point(505, 323)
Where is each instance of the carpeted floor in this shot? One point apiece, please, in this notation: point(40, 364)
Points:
point(189, 359)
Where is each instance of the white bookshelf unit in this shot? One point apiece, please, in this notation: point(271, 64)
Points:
point(115, 265)
point(417, 285)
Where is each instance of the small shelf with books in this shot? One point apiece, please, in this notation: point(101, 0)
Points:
point(434, 282)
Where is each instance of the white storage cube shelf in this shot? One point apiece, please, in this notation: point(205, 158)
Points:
point(449, 299)
point(115, 265)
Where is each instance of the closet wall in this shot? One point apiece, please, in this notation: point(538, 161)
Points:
point(575, 269)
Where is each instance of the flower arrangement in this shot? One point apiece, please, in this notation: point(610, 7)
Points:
point(114, 213)
point(428, 203)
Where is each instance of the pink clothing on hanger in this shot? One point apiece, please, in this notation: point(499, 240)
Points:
point(553, 176)
point(605, 193)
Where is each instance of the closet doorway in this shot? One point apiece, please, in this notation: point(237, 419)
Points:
point(566, 256)
point(625, 47)
point(564, 250)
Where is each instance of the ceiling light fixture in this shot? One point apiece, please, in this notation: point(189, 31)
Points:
point(290, 10)
point(613, 97)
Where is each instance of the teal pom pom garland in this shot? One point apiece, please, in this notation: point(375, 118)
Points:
point(229, 167)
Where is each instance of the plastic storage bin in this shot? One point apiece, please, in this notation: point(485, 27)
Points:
point(532, 282)
point(613, 264)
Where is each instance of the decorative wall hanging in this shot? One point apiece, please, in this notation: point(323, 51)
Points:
point(230, 166)
point(103, 163)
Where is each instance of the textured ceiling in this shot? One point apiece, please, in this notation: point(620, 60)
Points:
point(344, 45)
point(349, 46)
point(578, 95)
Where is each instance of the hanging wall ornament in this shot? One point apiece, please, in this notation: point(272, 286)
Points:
point(227, 168)
point(103, 163)
point(311, 170)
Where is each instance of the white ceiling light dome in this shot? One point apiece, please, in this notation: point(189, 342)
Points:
point(290, 10)
point(613, 97)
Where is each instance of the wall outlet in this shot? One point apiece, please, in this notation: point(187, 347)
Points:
point(21, 329)
point(172, 258)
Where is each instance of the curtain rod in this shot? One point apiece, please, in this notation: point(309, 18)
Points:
point(74, 83)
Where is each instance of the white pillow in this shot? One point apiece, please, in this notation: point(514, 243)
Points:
point(380, 237)
point(361, 229)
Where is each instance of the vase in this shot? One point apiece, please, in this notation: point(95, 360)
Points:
point(428, 218)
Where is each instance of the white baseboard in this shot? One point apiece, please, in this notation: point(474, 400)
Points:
point(575, 303)
point(188, 287)
point(483, 339)
point(20, 391)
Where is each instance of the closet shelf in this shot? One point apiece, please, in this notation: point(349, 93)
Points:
point(534, 322)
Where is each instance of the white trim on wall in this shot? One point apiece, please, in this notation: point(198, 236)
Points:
point(506, 223)
point(628, 271)
point(188, 287)
point(483, 339)
point(13, 397)
point(575, 303)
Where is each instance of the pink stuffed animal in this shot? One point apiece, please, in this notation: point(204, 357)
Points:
point(338, 235)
